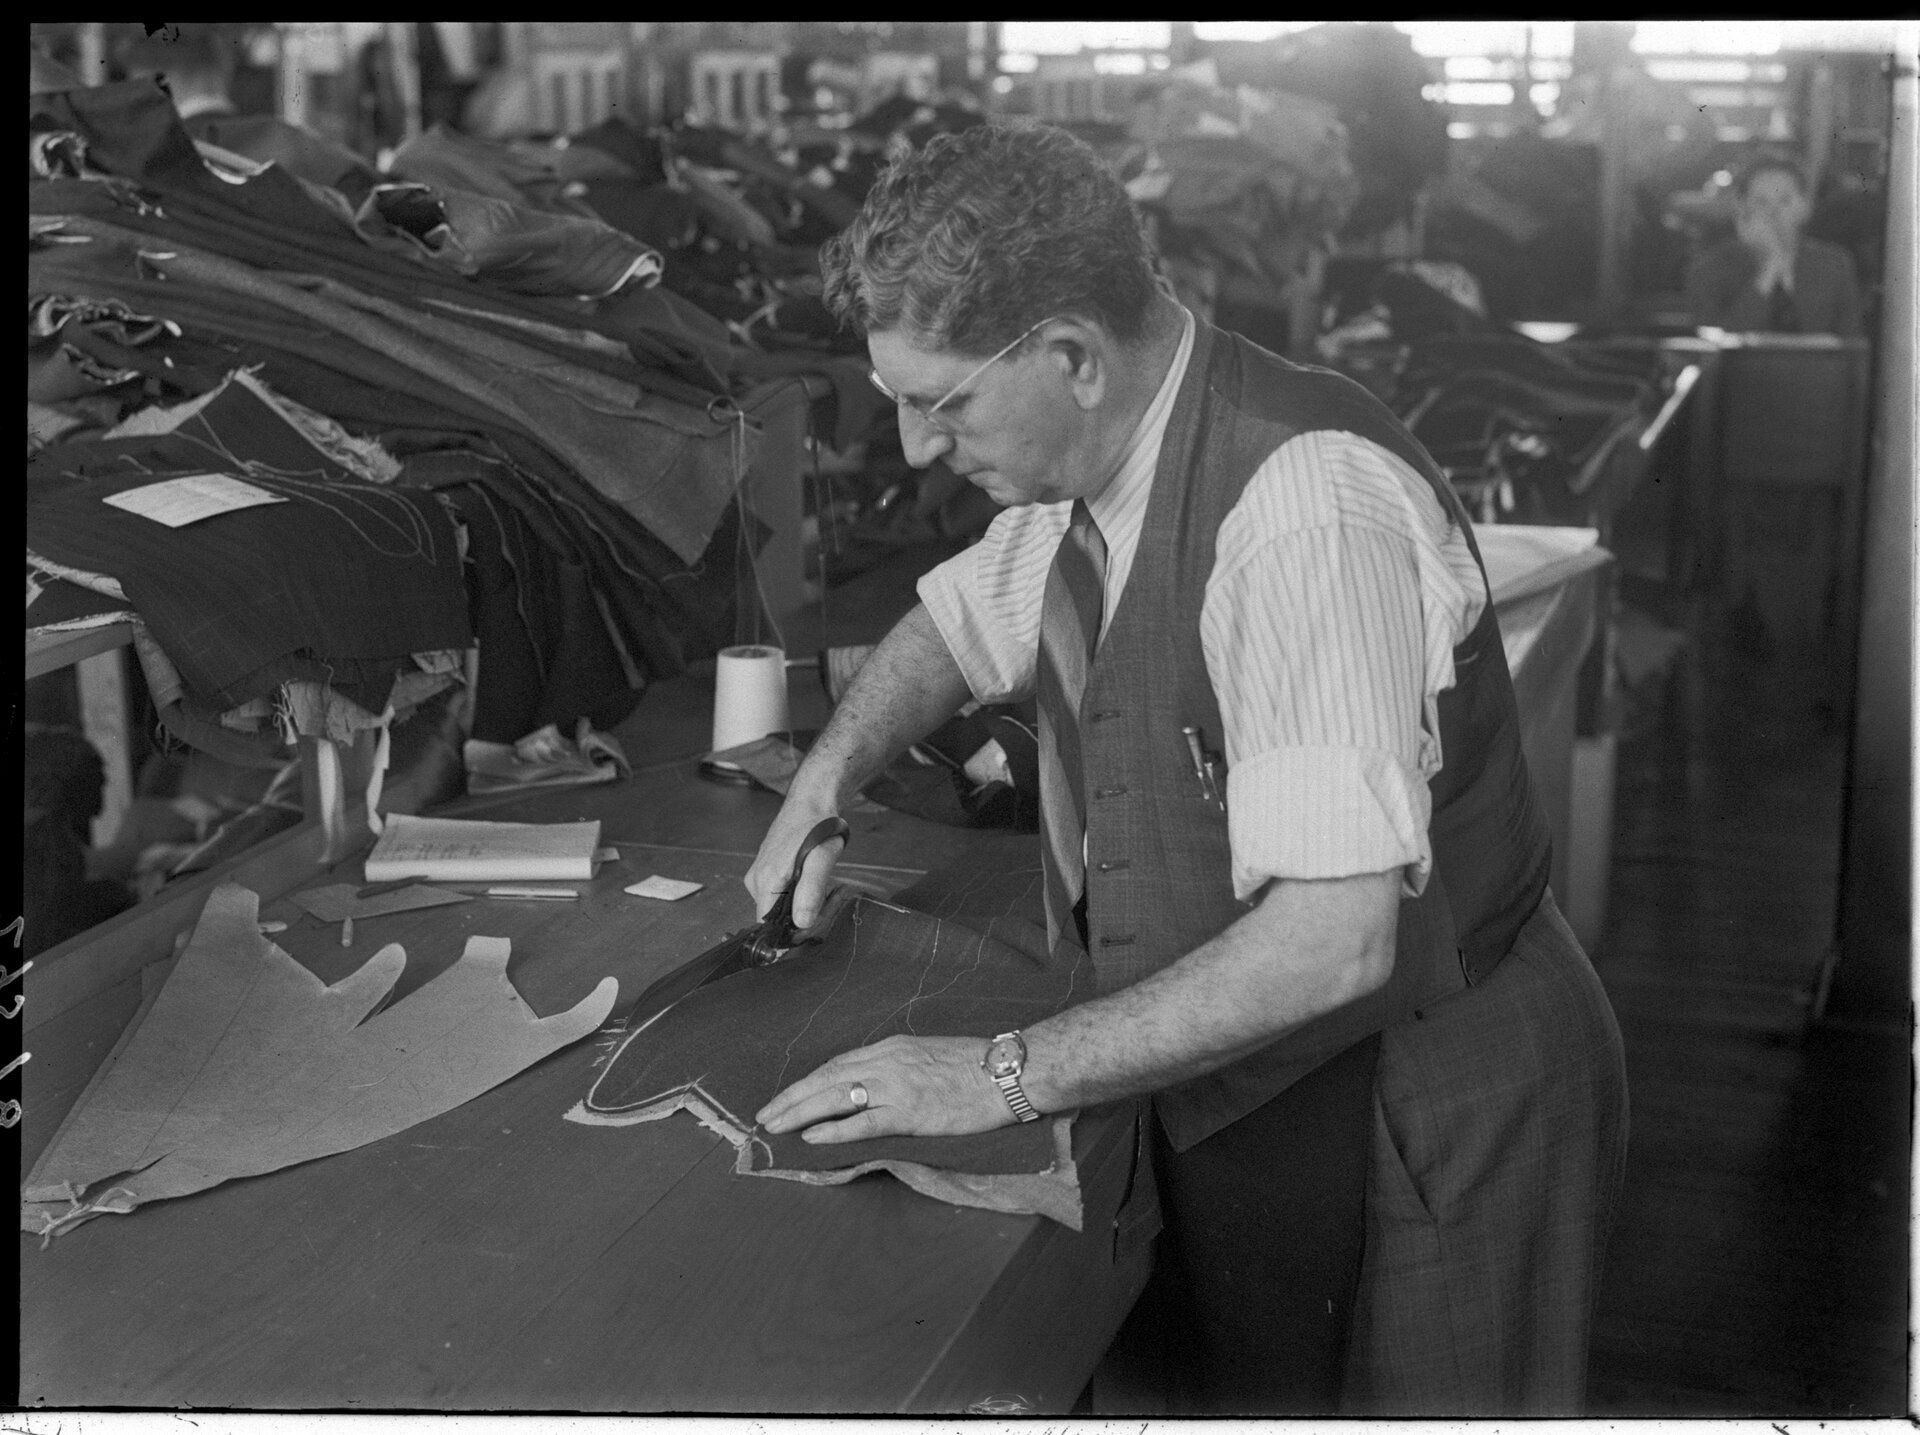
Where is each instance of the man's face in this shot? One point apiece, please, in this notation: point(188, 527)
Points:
point(1013, 431)
point(1774, 200)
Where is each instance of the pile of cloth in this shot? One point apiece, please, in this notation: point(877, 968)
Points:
point(1375, 83)
point(1530, 432)
point(444, 409)
point(1241, 181)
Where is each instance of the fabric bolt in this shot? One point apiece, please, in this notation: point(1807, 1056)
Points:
point(1498, 1149)
point(272, 218)
point(544, 653)
point(599, 446)
point(966, 959)
point(274, 221)
point(343, 579)
point(679, 495)
point(1069, 633)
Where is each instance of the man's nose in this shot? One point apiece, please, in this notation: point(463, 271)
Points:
point(921, 441)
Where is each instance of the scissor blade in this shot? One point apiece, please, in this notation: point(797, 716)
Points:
point(721, 960)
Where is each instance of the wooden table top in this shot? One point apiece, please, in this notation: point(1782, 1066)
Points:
point(500, 1257)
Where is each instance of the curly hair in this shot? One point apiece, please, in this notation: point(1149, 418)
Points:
point(979, 235)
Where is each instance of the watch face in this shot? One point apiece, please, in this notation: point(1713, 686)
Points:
point(1006, 1056)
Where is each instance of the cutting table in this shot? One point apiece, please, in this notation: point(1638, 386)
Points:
point(499, 1257)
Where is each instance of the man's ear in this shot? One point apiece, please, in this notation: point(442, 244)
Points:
point(1085, 365)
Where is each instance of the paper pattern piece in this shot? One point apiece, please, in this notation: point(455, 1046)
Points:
point(246, 1062)
point(454, 850)
point(337, 902)
point(191, 498)
point(724, 1049)
point(664, 889)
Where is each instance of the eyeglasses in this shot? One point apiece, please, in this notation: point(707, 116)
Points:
point(925, 411)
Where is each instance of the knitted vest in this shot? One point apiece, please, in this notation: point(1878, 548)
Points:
point(1159, 880)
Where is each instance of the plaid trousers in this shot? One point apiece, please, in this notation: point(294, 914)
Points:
point(1499, 1141)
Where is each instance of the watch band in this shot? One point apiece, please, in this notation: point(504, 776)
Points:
point(1016, 1098)
point(1005, 1074)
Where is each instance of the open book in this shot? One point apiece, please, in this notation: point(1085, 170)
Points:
point(452, 850)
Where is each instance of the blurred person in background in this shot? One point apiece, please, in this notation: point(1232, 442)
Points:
point(1771, 277)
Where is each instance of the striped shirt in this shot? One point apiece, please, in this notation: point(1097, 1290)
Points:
point(1338, 593)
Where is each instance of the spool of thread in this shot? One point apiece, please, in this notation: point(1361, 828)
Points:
point(749, 701)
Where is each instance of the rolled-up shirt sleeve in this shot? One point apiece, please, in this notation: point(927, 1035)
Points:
point(1339, 591)
point(986, 600)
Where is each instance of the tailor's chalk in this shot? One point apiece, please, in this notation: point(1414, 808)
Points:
point(268, 928)
point(346, 932)
point(547, 893)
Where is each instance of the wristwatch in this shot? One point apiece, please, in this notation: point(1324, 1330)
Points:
point(1006, 1058)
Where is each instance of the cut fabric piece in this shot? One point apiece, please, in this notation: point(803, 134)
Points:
point(728, 1047)
point(247, 1063)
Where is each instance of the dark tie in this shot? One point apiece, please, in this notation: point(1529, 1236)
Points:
point(1069, 630)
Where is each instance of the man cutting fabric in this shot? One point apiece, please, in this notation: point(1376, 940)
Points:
point(1388, 1090)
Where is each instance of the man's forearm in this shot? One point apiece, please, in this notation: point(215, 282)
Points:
point(907, 687)
point(1308, 948)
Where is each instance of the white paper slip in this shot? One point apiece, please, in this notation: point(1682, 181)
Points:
point(177, 502)
point(665, 889)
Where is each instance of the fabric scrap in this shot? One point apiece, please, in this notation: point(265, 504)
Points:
point(248, 1063)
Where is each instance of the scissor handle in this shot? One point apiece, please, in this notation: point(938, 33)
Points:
point(777, 931)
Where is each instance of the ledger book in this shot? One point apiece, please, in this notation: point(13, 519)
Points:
point(451, 850)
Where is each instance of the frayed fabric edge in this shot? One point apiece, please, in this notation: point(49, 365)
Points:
point(1053, 1193)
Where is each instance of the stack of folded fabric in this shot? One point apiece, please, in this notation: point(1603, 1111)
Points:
point(473, 416)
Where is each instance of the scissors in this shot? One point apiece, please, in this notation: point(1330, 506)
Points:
point(760, 945)
point(776, 935)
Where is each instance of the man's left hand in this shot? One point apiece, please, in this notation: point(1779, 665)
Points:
point(915, 1086)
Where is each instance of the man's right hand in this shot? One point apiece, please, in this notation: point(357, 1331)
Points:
point(772, 866)
point(1772, 252)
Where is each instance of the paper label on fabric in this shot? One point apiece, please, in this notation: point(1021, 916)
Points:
point(191, 498)
point(665, 889)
